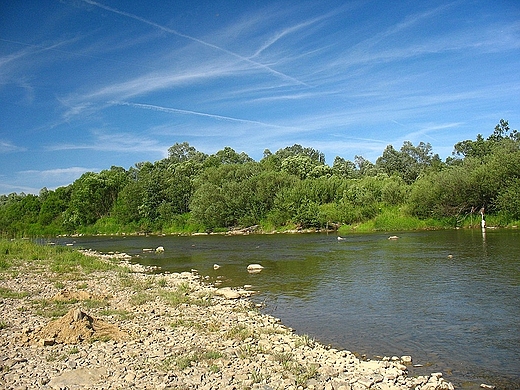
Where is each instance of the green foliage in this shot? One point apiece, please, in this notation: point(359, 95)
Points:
point(190, 191)
point(508, 200)
point(409, 162)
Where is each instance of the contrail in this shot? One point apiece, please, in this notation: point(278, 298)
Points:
point(189, 112)
point(172, 31)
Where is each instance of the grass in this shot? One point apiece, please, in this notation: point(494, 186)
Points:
point(181, 295)
point(58, 259)
point(239, 332)
point(306, 341)
point(4, 264)
point(257, 376)
point(141, 298)
point(248, 351)
point(199, 326)
point(301, 372)
point(122, 315)
point(183, 361)
point(184, 323)
point(52, 309)
point(8, 293)
point(283, 357)
point(396, 219)
point(305, 373)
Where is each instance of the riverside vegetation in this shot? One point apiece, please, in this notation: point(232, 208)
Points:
point(86, 320)
point(293, 188)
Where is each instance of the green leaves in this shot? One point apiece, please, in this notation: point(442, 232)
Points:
point(293, 187)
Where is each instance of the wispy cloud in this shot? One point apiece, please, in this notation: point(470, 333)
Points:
point(199, 41)
point(287, 31)
point(114, 142)
point(9, 147)
point(59, 173)
point(50, 178)
point(399, 42)
point(30, 49)
point(407, 23)
point(6, 188)
point(172, 77)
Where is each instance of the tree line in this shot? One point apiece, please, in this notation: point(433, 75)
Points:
point(293, 188)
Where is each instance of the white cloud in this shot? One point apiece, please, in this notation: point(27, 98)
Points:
point(9, 147)
point(60, 174)
point(50, 178)
point(114, 142)
point(199, 41)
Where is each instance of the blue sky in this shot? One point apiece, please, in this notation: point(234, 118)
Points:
point(85, 85)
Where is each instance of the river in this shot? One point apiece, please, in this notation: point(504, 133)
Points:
point(450, 298)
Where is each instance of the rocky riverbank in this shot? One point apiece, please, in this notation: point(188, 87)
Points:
point(124, 328)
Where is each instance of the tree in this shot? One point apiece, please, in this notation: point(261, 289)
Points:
point(298, 165)
point(298, 150)
point(344, 168)
point(480, 148)
point(507, 201)
point(182, 152)
point(227, 156)
point(476, 149)
point(364, 166)
point(208, 206)
point(54, 203)
point(501, 131)
point(410, 162)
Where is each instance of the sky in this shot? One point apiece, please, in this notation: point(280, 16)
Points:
point(86, 85)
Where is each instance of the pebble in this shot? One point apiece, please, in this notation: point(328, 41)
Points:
point(221, 342)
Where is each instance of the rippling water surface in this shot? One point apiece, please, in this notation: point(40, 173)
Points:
point(450, 299)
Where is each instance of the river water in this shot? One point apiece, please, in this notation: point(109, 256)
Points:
point(450, 299)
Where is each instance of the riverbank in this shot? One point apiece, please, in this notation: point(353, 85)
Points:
point(77, 321)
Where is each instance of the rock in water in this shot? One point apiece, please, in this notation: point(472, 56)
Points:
point(254, 268)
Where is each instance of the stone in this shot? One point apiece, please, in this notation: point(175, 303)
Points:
point(254, 268)
point(48, 342)
point(406, 359)
point(228, 293)
point(78, 377)
point(367, 382)
point(77, 315)
point(130, 377)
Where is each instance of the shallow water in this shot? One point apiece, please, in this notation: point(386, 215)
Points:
point(450, 299)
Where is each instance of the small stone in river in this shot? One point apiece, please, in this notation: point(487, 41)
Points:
point(406, 359)
point(254, 268)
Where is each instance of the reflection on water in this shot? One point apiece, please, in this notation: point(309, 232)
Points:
point(448, 298)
